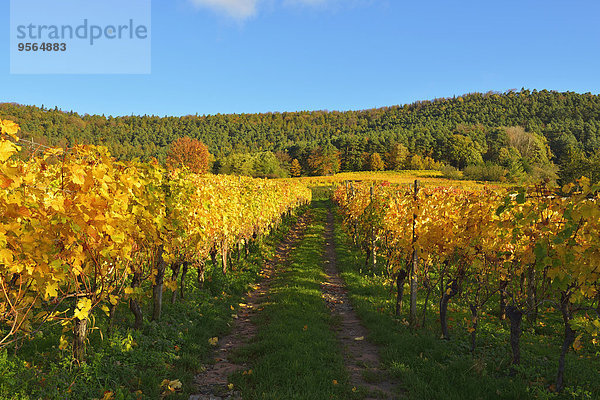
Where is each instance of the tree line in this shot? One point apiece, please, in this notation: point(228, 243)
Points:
point(516, 135)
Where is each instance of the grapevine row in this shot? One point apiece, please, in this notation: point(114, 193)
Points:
point(80, 231)
point(534, 249)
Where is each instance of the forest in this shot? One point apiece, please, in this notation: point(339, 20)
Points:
point(514, 136)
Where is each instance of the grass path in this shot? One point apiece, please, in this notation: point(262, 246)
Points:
point(309, 343)
point(296, 354)
point(213, 382)
point(361, 357)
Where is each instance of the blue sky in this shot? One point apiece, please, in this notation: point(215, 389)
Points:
point(242, 56)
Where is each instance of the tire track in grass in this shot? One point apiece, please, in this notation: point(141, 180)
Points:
point(296, 354)
point(212, 384)
point(360, 356)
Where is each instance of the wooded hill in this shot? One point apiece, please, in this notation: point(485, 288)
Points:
point(520, 133)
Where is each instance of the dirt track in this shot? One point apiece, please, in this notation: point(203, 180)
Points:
point(212, 383)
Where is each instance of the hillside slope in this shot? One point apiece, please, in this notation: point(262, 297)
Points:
point(569, 122)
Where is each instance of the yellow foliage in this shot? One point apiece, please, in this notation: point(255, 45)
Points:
point(83, 308)
point(63, 344)
point(89, 221)
point(7, 149)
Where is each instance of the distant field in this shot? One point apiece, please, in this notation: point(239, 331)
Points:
point(426, 178)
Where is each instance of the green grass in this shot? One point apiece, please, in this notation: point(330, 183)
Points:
point(287, 360)
point(132, 364)
point(429, 368)
point(296, 354)
point(320, 193)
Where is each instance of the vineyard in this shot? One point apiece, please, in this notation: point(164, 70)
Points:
point(532, 252)
point(426, 178)
point(81, 233)
point(257, 303)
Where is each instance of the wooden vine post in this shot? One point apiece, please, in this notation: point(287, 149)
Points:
point(373, 237)
point(355, 236)
point(224, 254)
point(134, 305)
point(414, 264)
point(157, 291)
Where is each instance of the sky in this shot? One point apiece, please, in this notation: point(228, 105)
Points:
point(247, 56)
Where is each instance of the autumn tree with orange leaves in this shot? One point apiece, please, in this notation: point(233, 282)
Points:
point(190, 153)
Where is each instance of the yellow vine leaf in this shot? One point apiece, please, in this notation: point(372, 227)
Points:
point(171, 285)
point(577, 343)
point(6, 256)
point(83, 308)
point(51, 290)
point(63, 344)
point(114, 299)
point(7, 149)
point(108, 395)
point(170, 385)
point(10, 128)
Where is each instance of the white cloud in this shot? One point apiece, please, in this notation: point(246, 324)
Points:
point(238, 9)
point(308, 2)
point(243, 9)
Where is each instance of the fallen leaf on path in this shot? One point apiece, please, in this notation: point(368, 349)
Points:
point(171, 386)
point(359, 338)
